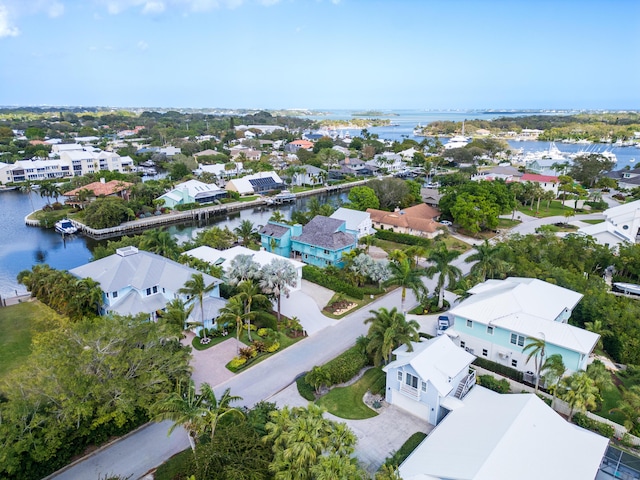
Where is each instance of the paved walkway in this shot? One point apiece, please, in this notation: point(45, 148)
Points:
point(209, 365)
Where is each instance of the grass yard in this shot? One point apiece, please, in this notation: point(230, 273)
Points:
point(507, 223)
point(283, 339)
point(593, 222)
point(406, 449)
point(346, 402)
point(555, 209)
point(452, 243)
point(249, 198)
point(17, 324)
point(176, 467)
point(366, 300)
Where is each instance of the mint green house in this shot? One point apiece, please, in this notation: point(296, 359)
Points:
point(501, 317)
point(321, 242)
point(192, 191)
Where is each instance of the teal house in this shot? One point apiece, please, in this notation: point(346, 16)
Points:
point(321, 242)
point(192, 191)
point(502, 316)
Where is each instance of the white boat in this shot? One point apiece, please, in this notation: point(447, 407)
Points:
point(457, 141)
point(628, 287)
point(65, 227)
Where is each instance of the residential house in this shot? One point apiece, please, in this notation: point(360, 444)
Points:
point(357, 221)
point(135, 281)
point(506, 173)
point(355, 166)
point(430, 380)
point(503, 437)
point(224, 258)
point(310, 176)
point(431, 196)
point(220, 169)
point(548, 183)
point(417, 220)
point(621, 224)
point(320, 242)
point(391, 162)
point(170, 151)
point(241, 152)
point(192, 191)
point(113, 188)
point(205, 153)
point(547, 166)
point(500, 316)
point(261, 182)
point(628, 179)
point(293, 147)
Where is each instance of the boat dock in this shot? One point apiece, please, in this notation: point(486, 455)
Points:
point(196, 215)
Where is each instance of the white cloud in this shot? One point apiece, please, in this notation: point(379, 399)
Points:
point(142, 45)
point(55, 10)
point(6, 29)
point(153, 7)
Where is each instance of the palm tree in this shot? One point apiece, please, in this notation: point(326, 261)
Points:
point(581, 392)
point(198, 413)
point(245, 230)
point(404, 276)
point(234, 312)
point(160, 242)
point(367, 242)
point(629, 407)
point(415, 253)
point(488, 262)
point(389, 330)
point(597, 371)
point(597, 326)
point(553, 370)
point(441, 258)
point(275, 279)
point(28, 189)
point(249, 292)
point(177, 314)
point(195, 287)
point(241, 269)
point(88, 294)
point(277, 216)
point(537, 347)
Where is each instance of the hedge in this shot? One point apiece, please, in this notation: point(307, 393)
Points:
point(346, 365)
point(305, 390)
point(403, 238)
point(603, 429)
point(321, 277)
point(509, 372)
point(500, 386)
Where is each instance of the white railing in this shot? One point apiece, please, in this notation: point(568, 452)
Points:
point(410, 391)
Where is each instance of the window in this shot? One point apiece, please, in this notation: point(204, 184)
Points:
point(148, 291)
point(484, 352)
point(469, 324)
point(411, 380)
point(423, 386)
point(490, 330)
point(155, 289)
point(114, 294)
point(514, 363)
point(326, 252)
point(517, 339)
point(399, 376)
point(462, 344)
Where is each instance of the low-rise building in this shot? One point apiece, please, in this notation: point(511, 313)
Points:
point(621, 224)
point(417, 220)
point(261, 182)
point(356, 221)
point(192, 191)
point(548, 183)
point(113, 188)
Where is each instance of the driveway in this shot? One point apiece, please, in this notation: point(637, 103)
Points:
point(209, 365)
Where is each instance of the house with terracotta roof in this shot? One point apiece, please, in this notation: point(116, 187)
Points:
point(296, 145)
point(547, 182)
point(418, 220)
point(113, 188)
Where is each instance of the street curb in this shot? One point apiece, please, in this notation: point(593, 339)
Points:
point(96, 451)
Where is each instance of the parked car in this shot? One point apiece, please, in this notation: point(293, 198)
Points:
point(446, 222)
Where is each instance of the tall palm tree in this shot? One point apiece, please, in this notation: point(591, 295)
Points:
point(597, 326)
point(198, 413)
point(367, 241)
point(629, 407)
point(488, 262)
point(389, 329)
point(405, 276)
point(177, 314)
point(553, 370)
point(537, 350)
point(28, 189)
point(160, 242)
point(234, 312)
point(277, 216)
point(275, 279)
point(245, 230)
point(581, 392)
point(442, 258)
point(195, 287)
point(249, 292)
point(88, 294)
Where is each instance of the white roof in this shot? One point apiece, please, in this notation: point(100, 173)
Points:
point(213, 255)
point(496, 437)
point(219, 168)
point(607, 232)
point(353, 218)
point(629, 209)
point(527, 306)
point(244, 186)
point(196, 188)
point(436, 360)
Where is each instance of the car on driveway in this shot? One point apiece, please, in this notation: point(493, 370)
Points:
point(446, 222)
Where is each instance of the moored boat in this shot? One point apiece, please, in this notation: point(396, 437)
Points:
point(628, 287)
point(65, 227)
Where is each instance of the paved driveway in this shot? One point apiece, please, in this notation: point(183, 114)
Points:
point(209, 365)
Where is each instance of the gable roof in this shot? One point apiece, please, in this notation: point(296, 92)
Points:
point(528, 306)
point(323, 232)
point(212, 255)
point(99, 188)
point(419, 217)
point(436, 360)
point(534, 177)
point(246, 183)
point(273, 229)
point(492, 435)
point(353, 218)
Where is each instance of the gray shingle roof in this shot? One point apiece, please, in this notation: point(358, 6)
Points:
point(273, 230)
point(323, 232)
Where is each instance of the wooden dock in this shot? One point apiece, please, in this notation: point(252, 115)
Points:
point(197, 215)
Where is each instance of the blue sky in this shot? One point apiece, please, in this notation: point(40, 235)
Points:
point(321, 54)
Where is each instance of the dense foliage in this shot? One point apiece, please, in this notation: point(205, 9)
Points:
point(321, 277)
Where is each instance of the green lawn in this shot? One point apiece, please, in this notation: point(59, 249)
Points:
point(284, 340)
point(555, 209)
point(507, 223)
point(249, 198)
point(176, 467)
point(17, 324)
point(346, 402)
point(406, 449)
point(593, 222)
point(359, 303)
point(452, 243)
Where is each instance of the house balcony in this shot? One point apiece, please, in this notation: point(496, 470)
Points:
point(410, 391)
point(466, 384)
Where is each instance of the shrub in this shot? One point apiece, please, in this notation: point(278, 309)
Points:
point(603, 429)
point(305, 390)
point(248, 353)
point(259, 346)
point(500, 386)
point(323, 278)
point(263, 332)
point(346, 365)
point(186, 206)
point(274, 347)
point(403, 238)
point(237, 362)
point(509, 372)
point(266, 320)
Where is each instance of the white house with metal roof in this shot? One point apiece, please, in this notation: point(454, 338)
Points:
point(430, 380)
point(224, 258)
point(260, 182)
point(621, 224)
point(497, 320)
point(192, 191)
point(505, 437)
point(135, 281)
point(357, 221)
